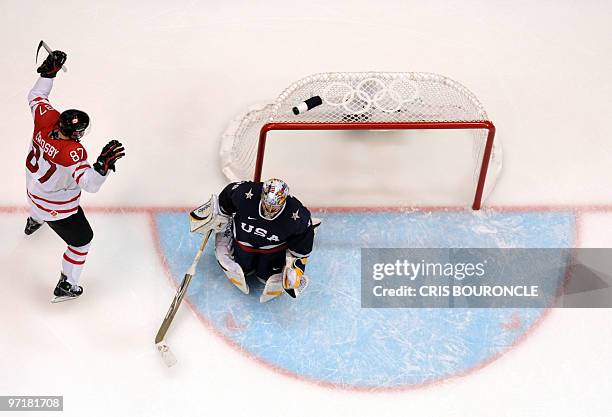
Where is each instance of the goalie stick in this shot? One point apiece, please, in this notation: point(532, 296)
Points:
point(160, 339)
point(49, 50)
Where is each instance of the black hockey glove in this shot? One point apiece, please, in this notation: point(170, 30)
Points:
point(112, 151)
point(52, 64)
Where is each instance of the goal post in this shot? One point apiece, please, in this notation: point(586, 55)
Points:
point(485, 124)
point(365, 101)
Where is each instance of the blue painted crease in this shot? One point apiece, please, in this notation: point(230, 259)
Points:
point(326, 335)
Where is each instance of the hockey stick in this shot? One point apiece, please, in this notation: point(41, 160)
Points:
point(160, 339)
point(49, 50)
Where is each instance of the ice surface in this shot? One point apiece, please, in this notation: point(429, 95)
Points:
point(166, 78)
point(326, 336)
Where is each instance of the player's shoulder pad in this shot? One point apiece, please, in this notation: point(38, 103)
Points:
point(298, 212)
point(70, 153)
point(240, 184)
point(244, 189)
point(45, 116)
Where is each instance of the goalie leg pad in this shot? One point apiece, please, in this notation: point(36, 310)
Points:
point(233, 272)
point(273, 288)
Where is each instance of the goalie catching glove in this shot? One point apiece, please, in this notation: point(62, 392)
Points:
point(292, 280)
point(208, 217)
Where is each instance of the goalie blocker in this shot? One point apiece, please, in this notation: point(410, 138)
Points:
point(208, 217)
point(261, 230)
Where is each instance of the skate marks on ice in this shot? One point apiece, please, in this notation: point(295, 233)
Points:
point(327, 338)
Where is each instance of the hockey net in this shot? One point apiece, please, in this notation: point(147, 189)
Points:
point(366, 101)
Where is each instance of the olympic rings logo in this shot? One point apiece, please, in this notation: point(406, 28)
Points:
point(370, 94)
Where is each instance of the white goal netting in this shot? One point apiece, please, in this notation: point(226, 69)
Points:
point(378, 98)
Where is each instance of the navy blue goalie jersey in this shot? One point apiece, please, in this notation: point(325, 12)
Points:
point(290, 229)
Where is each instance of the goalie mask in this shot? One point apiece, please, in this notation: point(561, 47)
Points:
point(273, 197)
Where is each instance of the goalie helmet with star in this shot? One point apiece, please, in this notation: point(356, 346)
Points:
point(273, 197)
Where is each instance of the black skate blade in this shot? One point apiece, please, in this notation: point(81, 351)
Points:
point(63, 298)
point(30, 231)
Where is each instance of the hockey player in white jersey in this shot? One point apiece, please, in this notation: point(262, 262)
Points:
point(57, 171)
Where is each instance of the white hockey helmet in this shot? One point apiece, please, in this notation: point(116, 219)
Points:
point(273, 197)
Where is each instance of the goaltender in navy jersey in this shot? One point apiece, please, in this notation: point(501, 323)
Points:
point(290, 229)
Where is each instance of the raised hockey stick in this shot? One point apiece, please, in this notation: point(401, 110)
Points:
point(49, 50)
point(160, 339)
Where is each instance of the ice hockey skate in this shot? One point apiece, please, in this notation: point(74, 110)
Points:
point(31, 226)
point(65, 291)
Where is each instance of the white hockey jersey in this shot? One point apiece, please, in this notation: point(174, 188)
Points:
point(56, 170)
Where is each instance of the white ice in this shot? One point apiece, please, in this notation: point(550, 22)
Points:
point(166, 78)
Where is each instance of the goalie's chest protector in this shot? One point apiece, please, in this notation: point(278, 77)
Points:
point(251, 229)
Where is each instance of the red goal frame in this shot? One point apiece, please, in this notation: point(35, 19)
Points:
point(482, 124)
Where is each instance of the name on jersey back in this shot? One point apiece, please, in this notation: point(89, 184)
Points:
point(46, 147)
